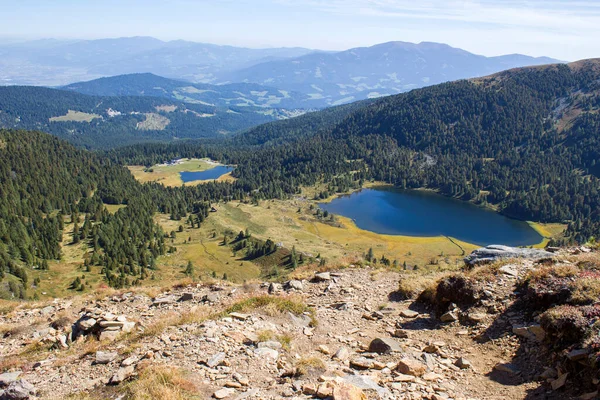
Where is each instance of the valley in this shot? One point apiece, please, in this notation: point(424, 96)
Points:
point(150, 225)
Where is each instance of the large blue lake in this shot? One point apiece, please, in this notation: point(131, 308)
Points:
point(421, 213)
point(209, 174)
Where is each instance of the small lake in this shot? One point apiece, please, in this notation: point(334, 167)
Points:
point(209, 174)
point(421, 213)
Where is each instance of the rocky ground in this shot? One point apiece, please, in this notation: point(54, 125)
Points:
point(343, 335)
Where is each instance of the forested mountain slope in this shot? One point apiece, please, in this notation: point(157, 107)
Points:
point(46, 183)
point(234, 94)
point(525, 140)
point(103, 122)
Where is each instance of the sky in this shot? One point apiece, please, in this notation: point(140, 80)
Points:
point(564, 29)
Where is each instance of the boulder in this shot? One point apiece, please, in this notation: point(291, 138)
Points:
point(186, 297)
point(19, 390)
point(408, 366)
point(275, 288)
point(497, 252)
point(384, 346)
point(159, 301)
point(322, 277)
point(295, 284)
point(86, 324)
point(105, 357)
point(9, 377)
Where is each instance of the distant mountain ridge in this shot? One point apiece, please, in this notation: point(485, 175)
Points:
point(383, 69)
point(50, 62)
point(326, 78)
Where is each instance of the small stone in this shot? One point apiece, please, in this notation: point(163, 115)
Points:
point(322, 277)
point(509, 270)
point(346, 391)
point(450, 316)
point(271, 344)
point(384, 346)
point(549, 373)
point(324, 349)
point(215, 360)
point(223, 393)
point(400, 334)
point(576, 355)
point(341, 354)
point(86, 324)
point(589, 396)
point(431, 376)
point(362, 363)
point(404, 378)
point(309, 390)
point(476, 317)
point(128, 326)
point(408, 366)
point(295, 285)
point(463, 363)
point(559, 382)
point(105, 357)
point(275, 288)
point(122, 375)
point(129, 361)
point(506, 367)
point(108, 335)
point(267, 352)
point(159, 301)
point(409, 314)
point(324, 391)
point(239, 316)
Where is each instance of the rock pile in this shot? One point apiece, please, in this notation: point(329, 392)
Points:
point(497, 252)
point(105, 325)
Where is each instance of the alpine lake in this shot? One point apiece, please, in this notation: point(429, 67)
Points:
point(426, 214)
point(209, 174)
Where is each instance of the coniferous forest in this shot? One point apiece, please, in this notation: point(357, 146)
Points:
point(526, 141)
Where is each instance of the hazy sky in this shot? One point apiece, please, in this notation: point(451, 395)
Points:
point(564, 29)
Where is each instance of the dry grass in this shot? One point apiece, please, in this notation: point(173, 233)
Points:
point(415, 285)
point(585, 290)
point(161, 382)
point(306, 365)
point(76, 116)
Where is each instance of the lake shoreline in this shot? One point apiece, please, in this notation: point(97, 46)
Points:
point(506, 224)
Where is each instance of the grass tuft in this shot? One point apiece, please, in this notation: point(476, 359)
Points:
point(161, 382)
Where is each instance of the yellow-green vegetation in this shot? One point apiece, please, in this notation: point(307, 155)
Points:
point(306, 365)
point(548, 231)
point(168, 174)
point(153, 122)
point(76, 116)
point(281, 222)
point(56, 281)
point(113, 208)
point(162, 382)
